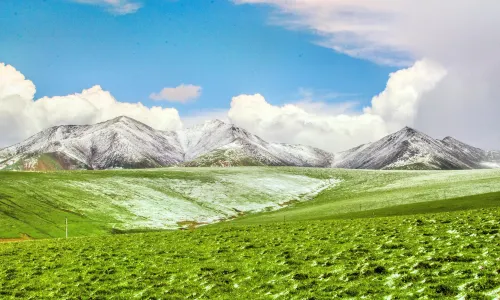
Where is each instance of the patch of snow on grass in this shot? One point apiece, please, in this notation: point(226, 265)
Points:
point(161, 203)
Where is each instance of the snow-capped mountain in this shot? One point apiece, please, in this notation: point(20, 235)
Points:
point(120, 142)
point(126, 143)
point(216, 142)
point(411, 149)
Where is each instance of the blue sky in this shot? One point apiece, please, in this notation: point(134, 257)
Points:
point(251, 59)
point(227, 49)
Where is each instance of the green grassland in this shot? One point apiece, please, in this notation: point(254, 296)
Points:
point(438, 256)
point(103, 202)
point(365, 190)
point(364, 234)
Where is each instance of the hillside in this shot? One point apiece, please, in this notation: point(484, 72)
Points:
point(104, 202)
point(112, 201)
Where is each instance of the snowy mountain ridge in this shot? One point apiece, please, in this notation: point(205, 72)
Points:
point(126, 143)
point(412, 149)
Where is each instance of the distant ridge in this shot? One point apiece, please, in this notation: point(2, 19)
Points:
point(412, 149)
point(123, 142)
point(126, 143)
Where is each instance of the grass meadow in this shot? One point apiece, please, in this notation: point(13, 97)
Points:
point(363, 235)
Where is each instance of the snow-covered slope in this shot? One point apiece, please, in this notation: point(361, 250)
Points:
point(216, 143)
point(411, 149)
point(118, 143)
point(126, 143)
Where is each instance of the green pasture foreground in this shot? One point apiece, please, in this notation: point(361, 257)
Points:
point(434, 256)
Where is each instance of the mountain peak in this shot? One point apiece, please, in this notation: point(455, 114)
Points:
point(127, 122)
point(122, 119)
point(410, 148)
point(215, 121)
point(209, 125)
point(408, 129)
point(405, 133)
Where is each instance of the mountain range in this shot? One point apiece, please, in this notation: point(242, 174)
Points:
point(126, 143)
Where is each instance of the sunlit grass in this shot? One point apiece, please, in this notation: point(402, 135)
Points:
point(444, 255)
point(103, 202)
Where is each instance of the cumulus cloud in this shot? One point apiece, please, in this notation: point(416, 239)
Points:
point(391, 110)
point(460, 35)
point(182, 93)
point(333, 127)
point(21, 115)
point(119, 7)
point(398, 104)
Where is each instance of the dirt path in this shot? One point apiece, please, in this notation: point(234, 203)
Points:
point(24, 237)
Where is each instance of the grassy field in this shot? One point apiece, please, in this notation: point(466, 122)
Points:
point(489, 200)
point(364, 190)
point(438, 256)
point(299, 234)
point(103, 202)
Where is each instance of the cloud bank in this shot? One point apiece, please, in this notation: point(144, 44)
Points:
point(326, 126)
point(394, 108)
point(461, 35)
point(182, 93)
point(22, 116)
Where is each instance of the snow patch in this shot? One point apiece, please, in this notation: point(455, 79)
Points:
point(163, 203)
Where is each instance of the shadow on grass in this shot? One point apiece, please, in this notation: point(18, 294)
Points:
point(489, 200)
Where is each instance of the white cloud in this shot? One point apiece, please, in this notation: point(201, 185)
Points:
point(22, 116)
point(398, 103)
point(332, 127)
point(119, 7)
point(320, 107)
point(461, 35)
point(316, 102)
point(391, 110)
point(359, 28)
point(182, 93)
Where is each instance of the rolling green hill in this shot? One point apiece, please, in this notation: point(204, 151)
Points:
point(104, 202)
point(365, 190)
